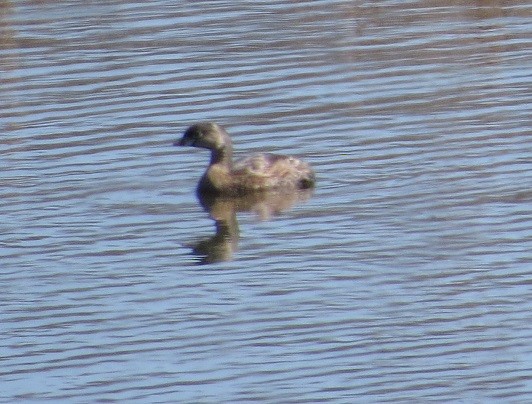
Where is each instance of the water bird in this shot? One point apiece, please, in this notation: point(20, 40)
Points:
point(257, 173)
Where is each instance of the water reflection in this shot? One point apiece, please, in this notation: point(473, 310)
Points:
point(223, 244)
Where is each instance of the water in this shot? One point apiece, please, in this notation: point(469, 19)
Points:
point(404, 277)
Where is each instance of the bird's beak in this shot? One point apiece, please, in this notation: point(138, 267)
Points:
point(183, 142)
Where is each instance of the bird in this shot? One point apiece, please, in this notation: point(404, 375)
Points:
point(258, 173)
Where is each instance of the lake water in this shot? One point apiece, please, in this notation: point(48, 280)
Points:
point(404, 277)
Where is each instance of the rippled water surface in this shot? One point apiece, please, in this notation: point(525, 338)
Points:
point(404, 277)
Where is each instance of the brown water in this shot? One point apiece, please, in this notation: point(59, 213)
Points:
point(405, 277)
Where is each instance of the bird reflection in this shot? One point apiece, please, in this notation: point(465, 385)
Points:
point(223, 244)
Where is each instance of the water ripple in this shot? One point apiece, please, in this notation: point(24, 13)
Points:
point(404, 277)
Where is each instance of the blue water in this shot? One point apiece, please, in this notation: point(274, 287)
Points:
point(404, 277)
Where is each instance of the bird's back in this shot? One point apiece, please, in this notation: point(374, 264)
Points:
point(270, 171)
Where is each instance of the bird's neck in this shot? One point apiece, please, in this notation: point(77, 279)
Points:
point(223, 157)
